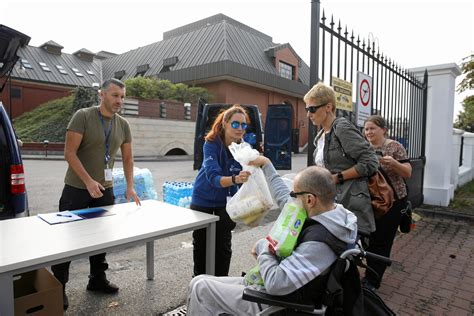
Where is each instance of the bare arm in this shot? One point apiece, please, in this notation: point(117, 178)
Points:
point(402, 169)
point(73, 140)
point(127, 158)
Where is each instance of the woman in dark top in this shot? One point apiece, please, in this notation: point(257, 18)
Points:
point(394, 161)
point(217, 181)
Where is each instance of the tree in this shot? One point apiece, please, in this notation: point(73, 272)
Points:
point(152, 88)
point(465, 118)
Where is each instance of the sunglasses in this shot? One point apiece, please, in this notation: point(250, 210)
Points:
point(314, 108)
point(236, 125)
point(294, 194)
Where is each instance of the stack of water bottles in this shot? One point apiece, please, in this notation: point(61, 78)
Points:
point(142, 182)
point(178, 193)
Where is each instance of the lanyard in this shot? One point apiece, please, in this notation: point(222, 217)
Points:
point(107, 133)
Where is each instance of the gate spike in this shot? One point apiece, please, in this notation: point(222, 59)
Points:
point(339, 28)
point(323, 18)
point(352, 36)
point(345, 32)
point(332, 22)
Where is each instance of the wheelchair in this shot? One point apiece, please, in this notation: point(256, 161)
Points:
point(368, 302)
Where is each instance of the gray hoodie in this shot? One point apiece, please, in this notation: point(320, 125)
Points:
point(309, 259)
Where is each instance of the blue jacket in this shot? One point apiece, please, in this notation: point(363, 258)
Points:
point(217, 162)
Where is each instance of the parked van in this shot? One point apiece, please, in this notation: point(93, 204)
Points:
point(277, 129)
point(13, 198)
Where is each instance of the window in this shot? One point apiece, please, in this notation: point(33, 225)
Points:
point(26, 64)
point(90, 73)
point(286, 71)
point(44, 67)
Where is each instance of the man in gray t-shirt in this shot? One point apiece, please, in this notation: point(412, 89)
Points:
point(93, 138)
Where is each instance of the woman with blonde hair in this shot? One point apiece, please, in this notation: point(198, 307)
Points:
point(218, 180)
point(344, 151)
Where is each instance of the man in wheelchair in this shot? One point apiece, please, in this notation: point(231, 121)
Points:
point(329, 230)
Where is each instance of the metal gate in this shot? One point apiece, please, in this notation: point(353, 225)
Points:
point(396, 94)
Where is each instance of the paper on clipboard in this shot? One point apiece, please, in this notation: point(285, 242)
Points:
point(59, 217)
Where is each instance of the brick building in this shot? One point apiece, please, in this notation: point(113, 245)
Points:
point(235, 62)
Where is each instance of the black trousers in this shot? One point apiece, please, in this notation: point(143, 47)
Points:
point(381, 241)
point(74, 199)
point(223, 242)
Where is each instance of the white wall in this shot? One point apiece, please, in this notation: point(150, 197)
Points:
point(154, 137)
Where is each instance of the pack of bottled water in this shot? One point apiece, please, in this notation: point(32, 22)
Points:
point(178, 193)
point(142, 182)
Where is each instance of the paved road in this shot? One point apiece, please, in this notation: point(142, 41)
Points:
point(45, 178)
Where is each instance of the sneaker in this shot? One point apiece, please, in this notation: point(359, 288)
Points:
point(102, 285)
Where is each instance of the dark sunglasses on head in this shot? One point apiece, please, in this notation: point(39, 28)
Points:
point(236, 125)
point(294, 194)
point(314, 108)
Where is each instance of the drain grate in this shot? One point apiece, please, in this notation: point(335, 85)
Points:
point(180, 311)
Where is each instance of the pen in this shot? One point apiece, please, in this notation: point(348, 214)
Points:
point(63, 215)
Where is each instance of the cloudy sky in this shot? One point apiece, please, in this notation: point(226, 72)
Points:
point(414, 33)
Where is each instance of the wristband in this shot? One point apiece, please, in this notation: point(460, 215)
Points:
point(233, 179)
point(340, 178)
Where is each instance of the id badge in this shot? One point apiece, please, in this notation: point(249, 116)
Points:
point(108, 174)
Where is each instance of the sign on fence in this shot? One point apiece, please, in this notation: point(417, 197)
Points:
point(364, 98)
point(343, 90)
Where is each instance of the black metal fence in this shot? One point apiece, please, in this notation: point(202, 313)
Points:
point(396, 94)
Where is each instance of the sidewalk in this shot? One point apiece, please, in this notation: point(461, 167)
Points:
point(433, 272)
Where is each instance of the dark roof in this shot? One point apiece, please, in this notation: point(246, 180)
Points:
point(85, 51)
point(52, 43)
point(33, 56)
point(104, 54)
point(213, 47)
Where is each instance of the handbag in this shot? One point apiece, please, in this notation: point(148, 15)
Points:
point(406, 221)
point(381, 193)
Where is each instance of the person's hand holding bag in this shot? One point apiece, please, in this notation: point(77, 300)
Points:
point(253, 200)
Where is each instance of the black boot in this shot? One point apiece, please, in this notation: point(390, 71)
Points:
point(101, 284)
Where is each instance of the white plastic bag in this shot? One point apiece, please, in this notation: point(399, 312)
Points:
point(253, 200)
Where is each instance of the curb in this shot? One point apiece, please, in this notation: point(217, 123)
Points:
point(135, 159)
point(445, 214)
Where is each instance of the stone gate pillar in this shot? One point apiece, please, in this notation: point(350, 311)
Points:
point(438, 189)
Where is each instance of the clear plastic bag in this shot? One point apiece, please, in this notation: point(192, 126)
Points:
point(253, 200)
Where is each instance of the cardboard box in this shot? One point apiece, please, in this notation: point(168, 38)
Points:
point(37, 293)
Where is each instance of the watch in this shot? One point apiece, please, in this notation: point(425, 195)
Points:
point(340, 178)
point(233, 179)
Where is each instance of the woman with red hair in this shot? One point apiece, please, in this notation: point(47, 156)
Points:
point(218, 180)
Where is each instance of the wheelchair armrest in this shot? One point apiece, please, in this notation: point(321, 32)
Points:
point(275, 300)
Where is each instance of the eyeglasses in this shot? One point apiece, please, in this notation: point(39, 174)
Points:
point(314, 108)
point(294, 194)
point(236, 125)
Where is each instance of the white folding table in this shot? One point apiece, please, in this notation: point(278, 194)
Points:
point(30, 243)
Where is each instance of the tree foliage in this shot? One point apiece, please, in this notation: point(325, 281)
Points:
point(152, 88)
point(465, 119)
point(84, 98)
